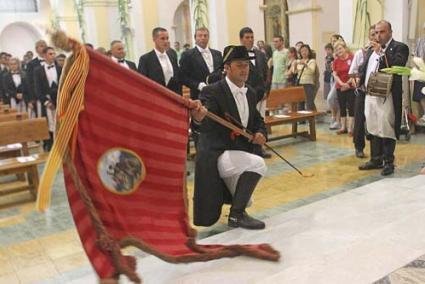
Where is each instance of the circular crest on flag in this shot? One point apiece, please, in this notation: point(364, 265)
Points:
point(121, 170)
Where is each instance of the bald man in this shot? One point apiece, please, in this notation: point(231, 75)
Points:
point(383, 114)
point(118, 55)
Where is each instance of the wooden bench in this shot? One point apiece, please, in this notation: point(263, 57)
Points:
point(10, 116)
point(23, 132)
point(6, 108)
point(13, 150)
point(292, 96)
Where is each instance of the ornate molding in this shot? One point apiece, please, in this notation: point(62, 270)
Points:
point(67, 18)
point(99, 3)
point(304, 10)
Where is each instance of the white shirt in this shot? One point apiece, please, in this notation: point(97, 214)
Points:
point(51, 74)
point(251, 53)
point(358, 60)
point(207, 56)
point(17, 79)
point(42, 61)
point(239, 94)
point(373, 64)
point(121, 62)
point(379, 112)
point(167, 67)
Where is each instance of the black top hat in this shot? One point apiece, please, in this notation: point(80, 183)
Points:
point(235, 52)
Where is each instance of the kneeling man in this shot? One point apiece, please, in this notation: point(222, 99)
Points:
point(227, 166)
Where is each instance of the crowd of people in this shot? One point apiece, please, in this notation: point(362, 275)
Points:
point(235, 84)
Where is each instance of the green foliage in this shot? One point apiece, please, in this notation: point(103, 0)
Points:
point(78, 6)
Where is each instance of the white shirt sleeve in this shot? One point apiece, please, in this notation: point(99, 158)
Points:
point(357, 62)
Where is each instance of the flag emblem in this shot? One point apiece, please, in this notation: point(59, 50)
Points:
point(121, 170)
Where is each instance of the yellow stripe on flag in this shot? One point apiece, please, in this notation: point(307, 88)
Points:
point(70, 103)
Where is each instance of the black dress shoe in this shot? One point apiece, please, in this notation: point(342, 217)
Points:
point(245, 221)
point(388, 170)
point(360, 154)
point(370, 165)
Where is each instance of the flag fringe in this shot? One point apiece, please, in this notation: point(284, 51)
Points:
point(70, 103)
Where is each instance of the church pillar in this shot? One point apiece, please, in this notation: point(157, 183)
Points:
point(102, 21)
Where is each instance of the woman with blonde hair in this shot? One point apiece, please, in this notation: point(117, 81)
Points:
point(344, 86)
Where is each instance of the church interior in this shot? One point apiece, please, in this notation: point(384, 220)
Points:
point(330, 221)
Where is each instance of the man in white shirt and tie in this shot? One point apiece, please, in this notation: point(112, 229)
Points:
point(159, 64)
point(205, 61)
point(228, 166)
point(118, 55)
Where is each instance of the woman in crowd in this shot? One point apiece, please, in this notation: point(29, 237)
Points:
point(305, 68)
point(327, 74)
point(290, 65)
point(332, 98)
point(344, 86)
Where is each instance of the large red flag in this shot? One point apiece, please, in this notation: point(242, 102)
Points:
point(125, 168)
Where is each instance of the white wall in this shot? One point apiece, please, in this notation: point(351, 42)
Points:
point(300, 25)
point(166, 10)
point(136, 15)
point(346, 20)
point(32, 25)
point(397, 13)
point(218, 24)
point(255, 19)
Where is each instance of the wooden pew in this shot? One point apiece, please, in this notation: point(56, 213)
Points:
point(6, 109)
point(23, 131)
point(277, 99)
point(14, 150)
point(10, 116)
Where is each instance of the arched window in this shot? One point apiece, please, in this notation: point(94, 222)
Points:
point(18, 6)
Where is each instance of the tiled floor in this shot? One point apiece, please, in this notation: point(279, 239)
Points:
point(45, 248)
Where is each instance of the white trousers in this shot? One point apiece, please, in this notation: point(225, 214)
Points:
point(231, 164)
point(20, 107)
point(32, 112)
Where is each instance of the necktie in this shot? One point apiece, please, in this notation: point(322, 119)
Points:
point(50, 66)
point(168, 69)
point(242, 104)
point(207, 58)
point(121, 60)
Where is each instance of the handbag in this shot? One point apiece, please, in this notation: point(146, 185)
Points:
point(297, 81)
point(380, 83)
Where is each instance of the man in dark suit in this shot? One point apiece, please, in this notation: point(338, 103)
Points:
point(226, 168)
point(3, 70)
point(202, 59)
point(160, 64)
point(46, 82)
point(383, 114)
point(118, 55)
point(15, 86)
point(34, 105)
point(205, 61)
point(257, 73)
point(258, 66)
